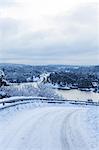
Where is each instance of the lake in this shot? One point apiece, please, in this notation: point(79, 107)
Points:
point(78, 95)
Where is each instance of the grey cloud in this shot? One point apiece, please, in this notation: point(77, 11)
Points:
point(73, 39)
point(8, 27)
point(83, 20)
point(85, 60)
point(86, 14)
point(82, 14)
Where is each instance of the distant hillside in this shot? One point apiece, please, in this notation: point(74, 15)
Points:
point(20, 73)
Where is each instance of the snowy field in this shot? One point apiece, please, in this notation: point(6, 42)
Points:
point(36, 126)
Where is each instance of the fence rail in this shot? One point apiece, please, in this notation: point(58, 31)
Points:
point(46, 100)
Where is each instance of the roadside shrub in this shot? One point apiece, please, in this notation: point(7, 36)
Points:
point(42, 90)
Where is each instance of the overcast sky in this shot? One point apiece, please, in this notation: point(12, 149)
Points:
point(49, 32)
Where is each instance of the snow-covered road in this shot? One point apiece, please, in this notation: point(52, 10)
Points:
point(46, 128)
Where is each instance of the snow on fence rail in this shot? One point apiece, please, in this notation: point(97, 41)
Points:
point(46, 100)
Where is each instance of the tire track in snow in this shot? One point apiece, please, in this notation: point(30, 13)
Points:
point(46, 128)
point(64, 136)
point(75, 132)
point(11, 138)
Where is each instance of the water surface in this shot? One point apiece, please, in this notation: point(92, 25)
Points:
point(78, 95)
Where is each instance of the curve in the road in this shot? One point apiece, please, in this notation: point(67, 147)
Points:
point(46, 128)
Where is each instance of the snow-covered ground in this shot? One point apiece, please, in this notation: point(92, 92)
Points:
point(45, 127)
